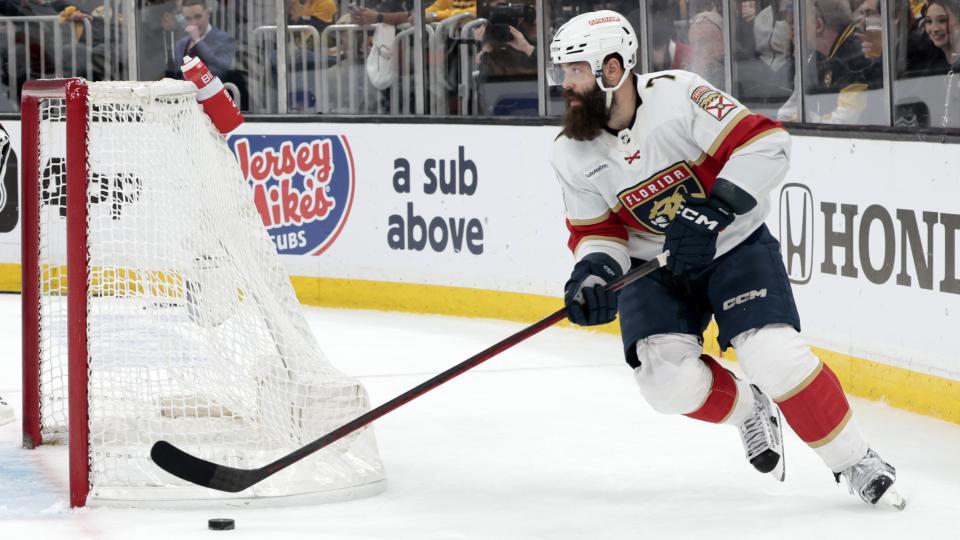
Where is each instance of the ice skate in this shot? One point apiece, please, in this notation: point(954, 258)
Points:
point(762, 436)
point(872, 479)
point(6, 412)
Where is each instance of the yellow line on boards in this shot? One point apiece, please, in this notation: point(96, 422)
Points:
point(902, 388)
point(10, 278)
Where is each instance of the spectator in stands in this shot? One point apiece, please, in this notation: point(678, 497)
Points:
point(913, 47)
point(754, 81)
point(10, 8)
point(706, 43)
point(443, 9)
point(705, 36)
point(214, 46)
point(316, 13)
point(30, 7)
point(863, 9)
point(159, 24)
point(499, 58)
point(387, 11)
point(917, 8)
point(507, 41)
point(76, 13)
point(8, 84)
point(942, 24)
point(772, 35)
point(392, 12)
point(837, 68)
point(764, 69)
point(303, 49)
point(667, 51)
point(439, 11)
point(744, 42)
point(506, 64)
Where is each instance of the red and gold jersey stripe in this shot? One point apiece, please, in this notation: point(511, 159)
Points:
point(745, 129)
point(607, 227)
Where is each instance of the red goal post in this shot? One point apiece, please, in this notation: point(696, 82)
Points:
point(76, 131)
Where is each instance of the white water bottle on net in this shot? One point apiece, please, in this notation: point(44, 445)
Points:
point(156, 306)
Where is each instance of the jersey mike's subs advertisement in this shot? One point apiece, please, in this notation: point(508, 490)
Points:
point(302, 186)
point(460, 207)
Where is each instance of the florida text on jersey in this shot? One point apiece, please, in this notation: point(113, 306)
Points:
point(621, 190)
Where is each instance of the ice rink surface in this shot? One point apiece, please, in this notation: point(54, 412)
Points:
point(550, 440)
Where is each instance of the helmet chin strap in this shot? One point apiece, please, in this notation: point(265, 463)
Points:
point(609, 91)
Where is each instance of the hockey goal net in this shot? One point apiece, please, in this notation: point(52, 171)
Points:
point(156, 307)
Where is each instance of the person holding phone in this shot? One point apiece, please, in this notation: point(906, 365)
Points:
point(388, 11)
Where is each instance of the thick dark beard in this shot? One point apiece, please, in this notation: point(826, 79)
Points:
point(586, 121)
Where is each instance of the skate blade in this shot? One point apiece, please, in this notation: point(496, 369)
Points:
point(780, 471)
point(892, 500)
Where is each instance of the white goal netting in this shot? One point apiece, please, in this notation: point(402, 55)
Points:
point(194, 333)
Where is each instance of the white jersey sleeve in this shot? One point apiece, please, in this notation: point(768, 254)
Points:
point(754, 150)
point(586, 208)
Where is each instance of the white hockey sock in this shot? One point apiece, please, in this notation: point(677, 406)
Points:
point(743, 408)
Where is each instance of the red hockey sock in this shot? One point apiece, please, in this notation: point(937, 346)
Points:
point(722, 396)
point(816, 409)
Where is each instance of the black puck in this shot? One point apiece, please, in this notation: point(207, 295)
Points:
point(220, 524)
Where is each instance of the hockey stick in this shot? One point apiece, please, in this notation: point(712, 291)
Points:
point(223, 478)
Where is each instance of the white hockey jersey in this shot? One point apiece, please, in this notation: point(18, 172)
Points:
point(621, 191)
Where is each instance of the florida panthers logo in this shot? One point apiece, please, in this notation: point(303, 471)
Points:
point(655, 201)
point(663, 210)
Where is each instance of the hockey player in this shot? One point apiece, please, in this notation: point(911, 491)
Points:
point(665, 161)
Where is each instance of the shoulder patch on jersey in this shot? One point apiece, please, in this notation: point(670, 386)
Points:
point(713, 102)
point(654, 201)
point(698, 93)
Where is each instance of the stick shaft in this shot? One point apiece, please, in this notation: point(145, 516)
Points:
point(416, 392)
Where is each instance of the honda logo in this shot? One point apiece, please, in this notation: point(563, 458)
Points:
point(796, 232)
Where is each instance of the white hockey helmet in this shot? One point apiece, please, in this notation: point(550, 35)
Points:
point(592, 37)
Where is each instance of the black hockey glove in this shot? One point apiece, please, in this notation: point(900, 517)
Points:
point(588, 302)
point(691, 237)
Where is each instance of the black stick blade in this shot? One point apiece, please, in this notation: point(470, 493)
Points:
point(201, 472)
